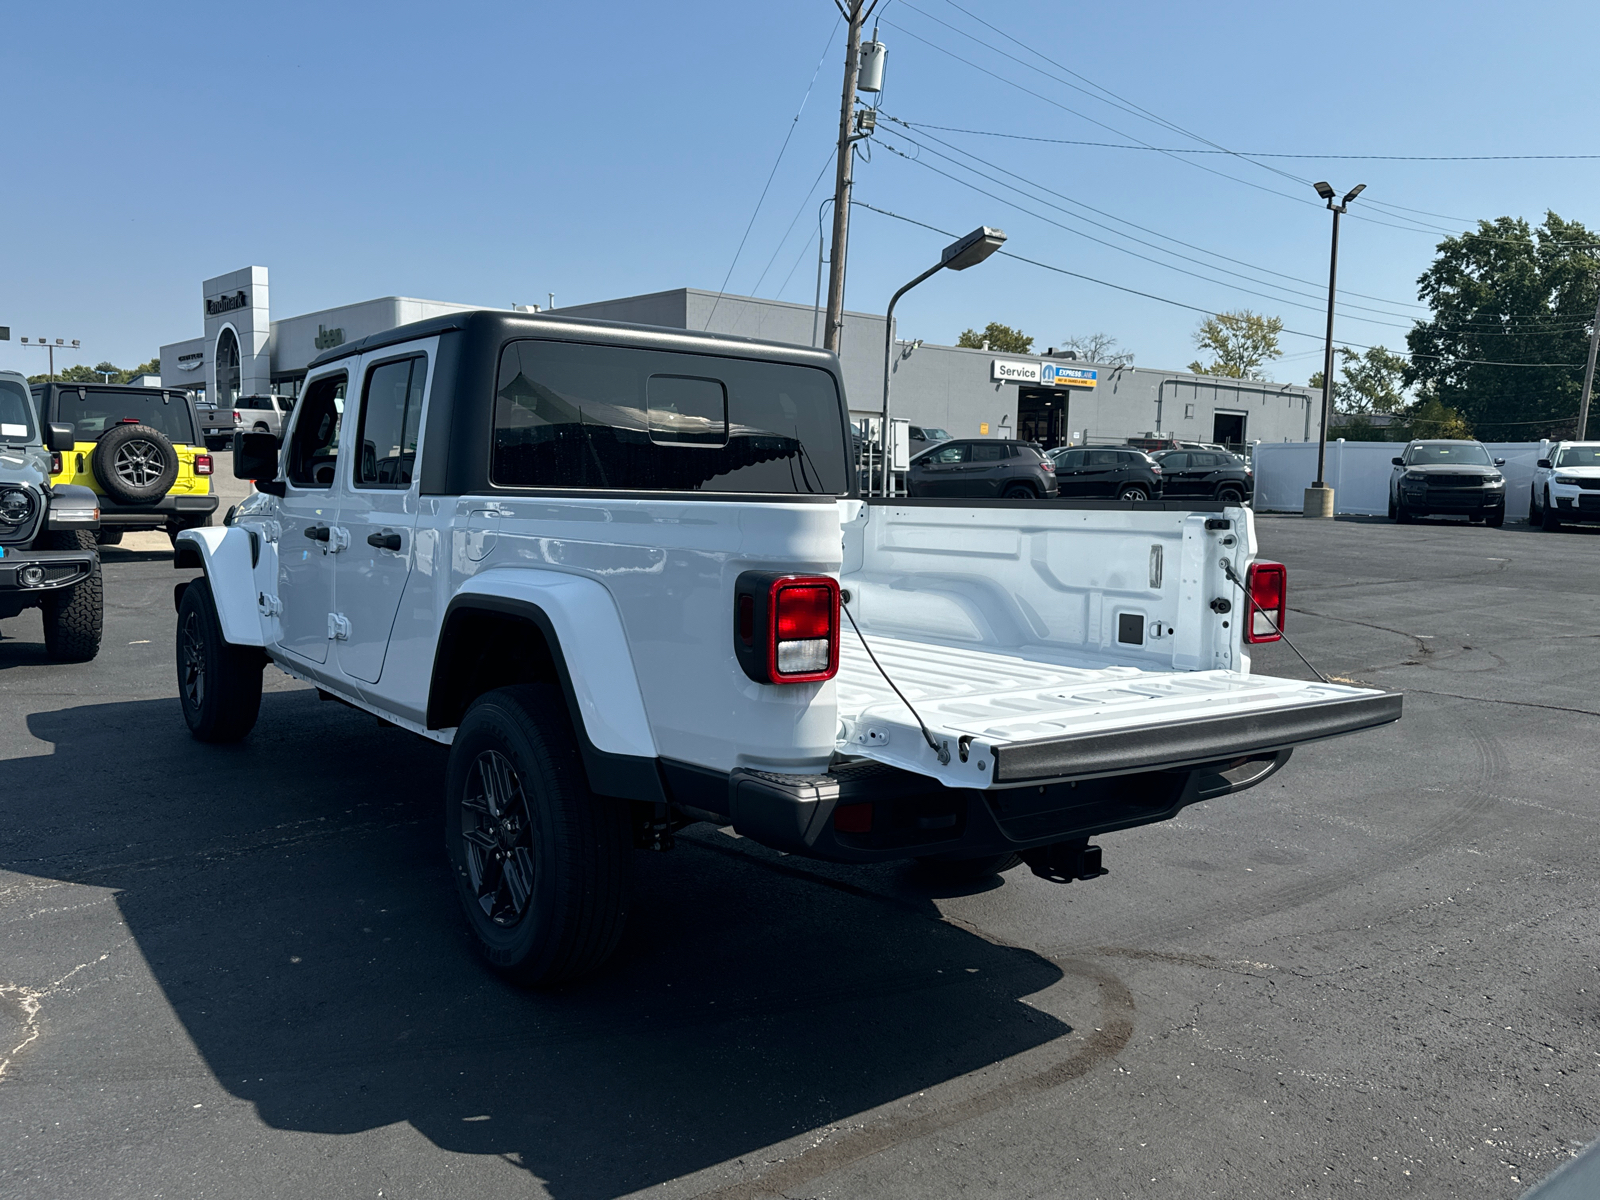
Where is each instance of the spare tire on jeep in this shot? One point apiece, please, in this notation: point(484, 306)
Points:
point(135, 464)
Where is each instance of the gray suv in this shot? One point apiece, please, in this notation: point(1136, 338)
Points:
point(48, 558)
point(986, 467)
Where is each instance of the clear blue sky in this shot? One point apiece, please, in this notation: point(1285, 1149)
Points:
point(495, 153)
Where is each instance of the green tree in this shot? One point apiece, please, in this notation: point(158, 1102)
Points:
point(1506, 344)
point(1239, 343)
point(997, 337)
point(1098, 348)
point(104, 372)
point(1373, 382)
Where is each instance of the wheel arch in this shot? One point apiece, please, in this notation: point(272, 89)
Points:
point(227, 556)
point(566, 631)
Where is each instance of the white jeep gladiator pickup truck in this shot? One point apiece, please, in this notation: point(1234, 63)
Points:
point(624, 573)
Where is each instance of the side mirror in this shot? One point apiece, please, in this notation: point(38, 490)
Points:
point(1543, 462)
point(1399, 462)
point(1499, 462)
point(255, 457)
point(59, 438)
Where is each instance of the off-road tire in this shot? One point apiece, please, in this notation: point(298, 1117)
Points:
point(147, 461)
point(1019, 491)
point(572, 850)
point(74, 616)
point(947, 873)
point(108, 537)
point(1137, 494)
point(219, 685)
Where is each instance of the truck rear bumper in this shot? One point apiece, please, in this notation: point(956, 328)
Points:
point(43, 570)
point(866, 812)
point(155, 516)
point(1042, 792)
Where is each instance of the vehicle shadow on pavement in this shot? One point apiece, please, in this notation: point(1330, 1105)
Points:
point(291, 899)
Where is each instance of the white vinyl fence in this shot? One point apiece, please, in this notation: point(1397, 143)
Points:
point(1358, 472)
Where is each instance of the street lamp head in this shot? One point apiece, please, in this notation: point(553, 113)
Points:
point(1353, 193)
point(1324, 190)
point(972, 249)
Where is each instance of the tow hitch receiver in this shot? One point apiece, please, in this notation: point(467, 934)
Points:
point(1062, 862)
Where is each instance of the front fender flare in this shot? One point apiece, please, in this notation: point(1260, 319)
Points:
point(224, 554)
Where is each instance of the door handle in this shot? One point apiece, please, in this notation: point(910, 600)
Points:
point(387, 540)
point(317, 533)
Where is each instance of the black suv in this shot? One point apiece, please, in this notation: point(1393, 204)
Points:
point(1206, 475)
point(986, 467)
point(1447, 476)
point(1122, 473)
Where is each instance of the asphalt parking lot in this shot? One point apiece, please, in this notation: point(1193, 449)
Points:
point(240, 972)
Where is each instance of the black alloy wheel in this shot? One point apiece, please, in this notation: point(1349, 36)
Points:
point(1230, 495)
point(498, 831)
point(219, 684)
point(542, 864)
point(1136, 494)
point(1019, 491)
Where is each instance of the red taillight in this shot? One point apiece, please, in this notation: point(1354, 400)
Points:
point(1048, 466)
point(128, 421)
point(1155, 468)
point(202, 464)
point(55, 463)
point(786, 627)
point(1268, 586)
point(236, 414)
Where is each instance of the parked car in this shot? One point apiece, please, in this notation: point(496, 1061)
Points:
point(1118, 473)
point(216, 425)
point(48, 558)
point(1448, 476)
point(987, 467)
point(1206, 475)
point(923, 436)
point(616, 590)
point(1566, 485)
point(139, 449)
point(261, 414)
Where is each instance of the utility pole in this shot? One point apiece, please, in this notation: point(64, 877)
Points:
point(855, 13)
point(1588, 380)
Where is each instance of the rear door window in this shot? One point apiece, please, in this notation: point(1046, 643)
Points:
point(92, 411)
point(990, 452)
point(570, 415)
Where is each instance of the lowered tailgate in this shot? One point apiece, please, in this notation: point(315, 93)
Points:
point(1004, 719)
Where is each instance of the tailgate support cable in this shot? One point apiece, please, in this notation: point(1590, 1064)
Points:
point(1227, 569)
point(942, 749)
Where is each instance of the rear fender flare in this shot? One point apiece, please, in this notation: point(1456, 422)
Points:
point(224, 554)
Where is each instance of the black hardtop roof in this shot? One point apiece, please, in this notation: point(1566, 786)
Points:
point(67, 385)
point(500, 326)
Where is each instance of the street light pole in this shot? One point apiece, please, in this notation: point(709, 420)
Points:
point(51, 347)
point(1319, 496)
point(957, 256)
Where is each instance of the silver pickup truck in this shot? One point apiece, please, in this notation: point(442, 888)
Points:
point(624, 573)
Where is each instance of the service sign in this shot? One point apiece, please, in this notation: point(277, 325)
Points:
point(1007, 370)
point(1054, 375)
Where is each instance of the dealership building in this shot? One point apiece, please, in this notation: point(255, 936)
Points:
point(1049, 398)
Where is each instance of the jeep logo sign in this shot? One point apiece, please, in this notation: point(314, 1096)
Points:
point(224, 304)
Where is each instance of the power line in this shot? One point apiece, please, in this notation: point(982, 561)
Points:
point(771, 174)
point(1193, 307)
point(1022, 137)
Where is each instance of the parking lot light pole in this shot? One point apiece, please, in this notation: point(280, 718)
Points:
point(1319, 496)
point(957, 256)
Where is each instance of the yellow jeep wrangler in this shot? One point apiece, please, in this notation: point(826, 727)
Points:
point(139, 448)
